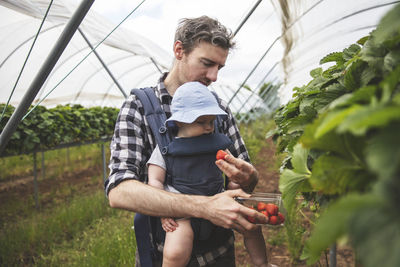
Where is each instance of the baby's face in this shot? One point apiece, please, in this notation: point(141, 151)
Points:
point(202, 125)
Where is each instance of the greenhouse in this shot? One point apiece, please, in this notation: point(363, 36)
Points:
point(313, 88)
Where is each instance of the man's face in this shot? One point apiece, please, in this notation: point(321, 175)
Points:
point(202, 64)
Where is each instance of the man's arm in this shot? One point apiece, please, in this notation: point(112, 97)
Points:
point(221, 209)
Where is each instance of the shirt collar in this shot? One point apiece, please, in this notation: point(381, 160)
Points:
point(161, 86)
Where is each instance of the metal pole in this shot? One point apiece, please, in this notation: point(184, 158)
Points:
point(332, 256)
point(247, 17)
point(44, 71)
point(102, 63)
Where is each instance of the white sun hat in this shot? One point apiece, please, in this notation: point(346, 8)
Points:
point(192, 100)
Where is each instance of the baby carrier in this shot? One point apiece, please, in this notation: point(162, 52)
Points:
point(148, 229)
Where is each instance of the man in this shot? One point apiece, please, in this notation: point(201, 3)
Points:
point(201, 48)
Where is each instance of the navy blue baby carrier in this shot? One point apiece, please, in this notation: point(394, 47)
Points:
point(178, 156)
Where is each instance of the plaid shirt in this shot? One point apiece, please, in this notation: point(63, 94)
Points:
point(133, 143)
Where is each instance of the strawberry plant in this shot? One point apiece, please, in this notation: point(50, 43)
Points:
point(48, 128)
point(341, 136)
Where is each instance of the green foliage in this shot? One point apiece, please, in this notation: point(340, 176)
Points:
point(47, 128)
point(341, 133)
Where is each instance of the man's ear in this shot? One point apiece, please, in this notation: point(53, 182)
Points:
point(178, 50)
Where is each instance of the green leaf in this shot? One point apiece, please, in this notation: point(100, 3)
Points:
point(316, 72)
point(299, 159)
point(383, 151)
point(289, 184)
point(353, 76)
point(333, 57)
point(351, 51)
point(333, 119)
point(375, 233)
point(389, 25)
point(330, 141)
point(332, 175)
point(361, 119)
point(335, 221)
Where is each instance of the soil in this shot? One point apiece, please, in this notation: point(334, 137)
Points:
point(278, 253)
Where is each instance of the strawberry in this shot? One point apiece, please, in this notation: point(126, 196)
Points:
point(272, 209)
point(273, 220)
point(281, 217)
point(261, 206)
point(221, 154)
point(251, 219)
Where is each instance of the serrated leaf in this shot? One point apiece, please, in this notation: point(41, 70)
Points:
point(333, 57)
point(352, 77)
point(351, 51)
point(336, 175)
point(316, 72)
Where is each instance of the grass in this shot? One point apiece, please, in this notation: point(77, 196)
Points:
point(57, 162)
point(24, 240)
point(107, 242)
point(73, 227)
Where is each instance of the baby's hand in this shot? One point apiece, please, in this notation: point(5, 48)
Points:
point(169, 224)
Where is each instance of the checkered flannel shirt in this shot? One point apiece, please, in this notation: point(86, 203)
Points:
point(133, 143)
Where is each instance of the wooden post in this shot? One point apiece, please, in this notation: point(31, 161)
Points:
point(35, 183)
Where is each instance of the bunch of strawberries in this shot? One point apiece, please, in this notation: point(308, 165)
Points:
point(271, 211)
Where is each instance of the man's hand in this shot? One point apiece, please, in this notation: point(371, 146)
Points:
point(223, 210)
point(239, 171)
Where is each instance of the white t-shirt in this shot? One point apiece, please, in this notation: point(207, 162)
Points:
point(157, 158)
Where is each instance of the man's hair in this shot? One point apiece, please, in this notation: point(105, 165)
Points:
point(194, 30)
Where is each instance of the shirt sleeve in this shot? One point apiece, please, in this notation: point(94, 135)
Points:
point(128, 154)
point(230, 128)
point(157, 158)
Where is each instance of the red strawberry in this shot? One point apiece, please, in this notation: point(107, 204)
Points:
point(251, 219)
point(281, 217)
point(273, 220)
point(221, 154)
point(272, 209)
point(261, 206)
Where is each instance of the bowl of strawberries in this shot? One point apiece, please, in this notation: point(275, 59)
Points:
point(269, 204)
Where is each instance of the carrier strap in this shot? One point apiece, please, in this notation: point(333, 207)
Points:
point(143, 227)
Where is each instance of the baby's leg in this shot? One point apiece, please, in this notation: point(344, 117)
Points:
point(178, 245)
point(255, 245)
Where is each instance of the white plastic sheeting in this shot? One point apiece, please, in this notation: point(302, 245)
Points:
point(130, 57)
point(314, 29)
point(133, 60)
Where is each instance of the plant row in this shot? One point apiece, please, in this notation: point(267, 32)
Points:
point(46, 128)
point(341, 136)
